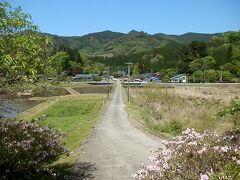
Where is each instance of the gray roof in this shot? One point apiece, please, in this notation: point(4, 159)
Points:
point(178, 76)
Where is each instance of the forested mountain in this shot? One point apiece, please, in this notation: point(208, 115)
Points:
point(110, 43)
point(189, 37)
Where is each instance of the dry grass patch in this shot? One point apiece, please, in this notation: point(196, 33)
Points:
point(168, 111)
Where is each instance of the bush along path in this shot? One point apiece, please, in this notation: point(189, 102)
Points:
point(28, 149)
point(195, 155)
point(116, 149)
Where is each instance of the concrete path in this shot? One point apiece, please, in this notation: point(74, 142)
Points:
point(116, 149)
point(72, 91)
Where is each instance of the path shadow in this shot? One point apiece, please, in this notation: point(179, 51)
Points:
point(78, 171)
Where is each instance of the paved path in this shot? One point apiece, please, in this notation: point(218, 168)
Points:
point(72, 91)
point(116, 149)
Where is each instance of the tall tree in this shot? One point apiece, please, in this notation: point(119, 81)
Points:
point(189, 53)
point(202, 64)
point(233, 37)
point(135, 70)
point(198, 76)
point(23, 51)
point(59, 63)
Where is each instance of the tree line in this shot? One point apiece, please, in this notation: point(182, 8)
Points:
point(201, 61)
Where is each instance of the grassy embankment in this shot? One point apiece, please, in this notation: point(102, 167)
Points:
point(168, 111)
point(75, 115)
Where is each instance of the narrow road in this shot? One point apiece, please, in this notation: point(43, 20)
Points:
point(116, 149)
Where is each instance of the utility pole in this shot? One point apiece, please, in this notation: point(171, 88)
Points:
point(108, 68)
point(204, 76)
point(221, 75)
point(129, 66)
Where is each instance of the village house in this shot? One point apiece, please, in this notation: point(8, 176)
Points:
point(180, 78)
point(84, 77)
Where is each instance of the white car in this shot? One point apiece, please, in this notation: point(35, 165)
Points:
point(144, 82)
point(137, 80)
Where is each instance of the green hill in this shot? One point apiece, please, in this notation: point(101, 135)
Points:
point(189, 37)
point(108, 43)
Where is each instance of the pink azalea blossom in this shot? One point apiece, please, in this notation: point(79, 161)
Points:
point(176, 157)
point(204, 149)
point(204, 177)
point(194, 143)
point(224, 149)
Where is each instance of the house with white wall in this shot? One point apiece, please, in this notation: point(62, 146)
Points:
point(180, 78)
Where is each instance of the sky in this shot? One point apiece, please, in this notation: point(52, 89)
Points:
point(80, 17)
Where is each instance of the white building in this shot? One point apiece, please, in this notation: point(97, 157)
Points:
point(180, 78)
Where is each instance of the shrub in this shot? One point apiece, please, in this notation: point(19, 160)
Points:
point(211, 75)
point(198, 76)
point(27, 149)
point(227, 76)
point(97, 78)
point(195, 156)
point(165, 79)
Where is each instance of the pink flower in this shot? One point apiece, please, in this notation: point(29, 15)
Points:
point(224, 149)
point(194, 143)
point(216, 148)
point(204, 149)
point(187, 131)
point(204, 177)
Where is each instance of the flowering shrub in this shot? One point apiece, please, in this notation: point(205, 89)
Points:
point(195, 156)
point(27, 149)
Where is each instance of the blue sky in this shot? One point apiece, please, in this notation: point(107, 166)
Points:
point(79, 17)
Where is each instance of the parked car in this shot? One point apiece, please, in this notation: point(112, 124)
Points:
point(137, 80)
point(157, 80)
point(154, 79)
point(144, 82)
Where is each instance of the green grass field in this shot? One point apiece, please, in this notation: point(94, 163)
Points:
point(75, 119)
point(75, 116)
